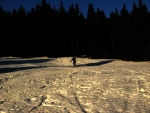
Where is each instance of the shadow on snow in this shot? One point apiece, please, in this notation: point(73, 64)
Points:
point(97, 63)
point(8, 70)
point(22, 61)
point(25, 61)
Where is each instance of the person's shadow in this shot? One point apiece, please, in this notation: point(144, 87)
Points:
point(97, 63)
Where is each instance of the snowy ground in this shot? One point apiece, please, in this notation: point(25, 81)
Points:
point(45, 85)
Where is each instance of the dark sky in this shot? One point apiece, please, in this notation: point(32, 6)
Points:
point(106, 5)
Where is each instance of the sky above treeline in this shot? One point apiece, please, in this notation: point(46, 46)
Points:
point(106, 5)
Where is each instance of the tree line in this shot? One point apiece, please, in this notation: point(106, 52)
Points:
point(47, 31)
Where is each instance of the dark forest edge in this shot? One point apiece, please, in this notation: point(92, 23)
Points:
point(46, 31)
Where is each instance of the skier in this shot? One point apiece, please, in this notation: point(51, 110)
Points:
point(73, 60)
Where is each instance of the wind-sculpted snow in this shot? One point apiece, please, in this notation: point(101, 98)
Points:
point(46, 85)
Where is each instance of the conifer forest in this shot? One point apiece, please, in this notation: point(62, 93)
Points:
point(47, 31)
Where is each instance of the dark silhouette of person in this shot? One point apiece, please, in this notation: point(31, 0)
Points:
point(74, 61)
